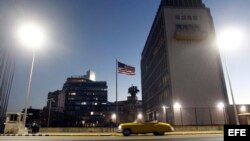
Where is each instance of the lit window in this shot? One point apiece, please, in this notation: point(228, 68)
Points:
point(72, 93)
point(91, 113)
point(83, 103)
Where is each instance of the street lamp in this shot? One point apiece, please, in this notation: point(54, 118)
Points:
point(50, 101)
point(164, 108)
point(139, 116)
point(32, 36)
point(221, 107)
point(177, 105)
point(113, 117)
point(243, 109)
point(177, 108)
point(231, 38)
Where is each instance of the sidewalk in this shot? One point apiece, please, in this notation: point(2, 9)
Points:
point(114, 134)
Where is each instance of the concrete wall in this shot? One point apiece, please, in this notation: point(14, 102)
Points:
point(110, 130)
point(76, 130)
point(199, 128)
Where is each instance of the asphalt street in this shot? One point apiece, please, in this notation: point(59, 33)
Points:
point(207, 137)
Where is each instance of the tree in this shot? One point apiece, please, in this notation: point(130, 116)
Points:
point(133, 90)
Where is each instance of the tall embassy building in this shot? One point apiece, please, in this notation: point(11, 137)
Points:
point(182, 77)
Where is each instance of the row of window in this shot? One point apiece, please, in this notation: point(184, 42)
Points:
point(87, 108)
point(91, 103)
point(187, 27)
point(186, 17)
point(88, 98)
point(88, 93)
point(184, 3)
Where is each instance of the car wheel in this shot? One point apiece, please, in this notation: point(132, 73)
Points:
point(156, 133)
point(161, 133)
point(126, 132)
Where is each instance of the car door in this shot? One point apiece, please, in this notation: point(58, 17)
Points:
point(146, 128)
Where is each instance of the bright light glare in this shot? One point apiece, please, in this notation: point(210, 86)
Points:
point(139, 116)
point(177, 105)
point(31, 35)
point(230, 39)
point(113, 116)
point(243, 108)
point(220, 105)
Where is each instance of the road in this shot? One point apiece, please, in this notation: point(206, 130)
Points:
point(208, 137)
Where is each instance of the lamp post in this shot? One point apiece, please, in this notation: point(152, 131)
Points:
point(113, 117)
point(221, 107)
point(232, 96)
point(50, 101)
point(113, 120)
point(32, 36)
point(165, 108)
point(29, 86)
point(230, 38)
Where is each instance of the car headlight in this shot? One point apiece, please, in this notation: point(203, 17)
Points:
point(119, 127)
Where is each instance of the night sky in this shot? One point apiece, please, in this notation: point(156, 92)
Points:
point(92, 34)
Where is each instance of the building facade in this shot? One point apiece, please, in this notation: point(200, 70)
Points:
point(81, 102)
point(6, 77)
point(85, 99)
point(182, 77)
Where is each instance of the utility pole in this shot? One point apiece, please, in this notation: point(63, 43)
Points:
point(50, 100)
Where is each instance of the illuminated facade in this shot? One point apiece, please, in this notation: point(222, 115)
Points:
point(85, 99)
point(182, 77)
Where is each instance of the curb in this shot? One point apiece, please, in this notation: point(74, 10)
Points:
point(193, 133)
point(24, 134)
point(86, 134)
point(110, 134)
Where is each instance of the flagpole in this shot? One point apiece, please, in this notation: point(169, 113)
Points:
point(116, 95)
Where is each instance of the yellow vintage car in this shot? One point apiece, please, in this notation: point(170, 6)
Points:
point(158, 128)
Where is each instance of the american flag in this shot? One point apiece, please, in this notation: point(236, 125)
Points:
point(126, 69)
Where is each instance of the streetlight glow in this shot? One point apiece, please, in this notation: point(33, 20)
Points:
point(220, 105)
point(139, 116)
point(243, 109)
point(113, 116)
point(31, 35)
point(230, 39)
point(177, 105)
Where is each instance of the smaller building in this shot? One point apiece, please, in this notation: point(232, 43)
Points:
point(14, 123)
point(128, 110)
point(82, 102)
